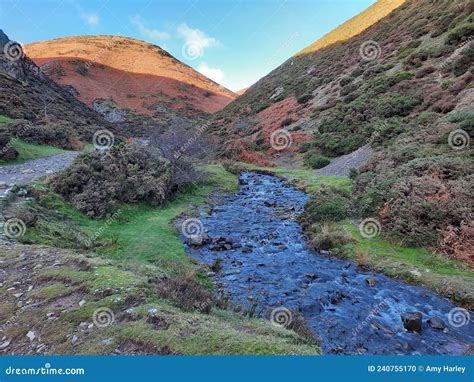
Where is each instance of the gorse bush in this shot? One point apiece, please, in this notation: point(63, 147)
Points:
point(315, 160)
point(328, 204)
point(96, 183)
point(460, 33)
point(464, 61)
point(7, 152)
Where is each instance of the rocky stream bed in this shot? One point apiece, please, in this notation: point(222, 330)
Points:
point(267, 266)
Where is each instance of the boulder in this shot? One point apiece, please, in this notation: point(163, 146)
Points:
point(371, 282)
point(436, 323)
point(412, 321)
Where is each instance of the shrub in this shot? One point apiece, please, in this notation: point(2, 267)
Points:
point(460, 33)
point(464, 61)
point(304, 146)
point(96, 182)
point(186, 293)
point(324, 236)
point(305, 98)
point(7, 152)
point(326, 205)
point(286, 122)
point(232, 167)
point(345, 80)
point(315, 160)
point(391, 105)
point(59, 134)
point(348, 89)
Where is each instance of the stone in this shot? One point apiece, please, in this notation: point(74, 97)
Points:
point(74, 339)
point(436, 323)
point(415, 273)
point(195, 241)
point(4, 345)
point(412, 321)
point(108, 341)
point(246, 249)
point(371, 282)
point(31, 335)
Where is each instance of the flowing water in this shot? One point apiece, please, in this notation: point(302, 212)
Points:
point(267, 264)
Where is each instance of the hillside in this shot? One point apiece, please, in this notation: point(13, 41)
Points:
point(355, 25)
point(38, 109)
point(130, 73)
point(402, 86)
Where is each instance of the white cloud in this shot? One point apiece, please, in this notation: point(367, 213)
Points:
point(196, 39)
point(91, 19)
point(214, 74)
point(151, 34)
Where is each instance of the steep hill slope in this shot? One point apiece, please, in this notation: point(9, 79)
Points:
point(402, 86)
point(45, 108)
point(130, 73)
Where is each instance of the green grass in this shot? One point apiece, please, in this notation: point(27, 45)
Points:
point(141, 245)
point(422, 266)
point(185, 331)
point(28, 151)
point(4, 119)
point(305, 178)
point(138, 231)
point(419, 258)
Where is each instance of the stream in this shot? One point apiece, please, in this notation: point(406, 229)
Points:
point(266, 264)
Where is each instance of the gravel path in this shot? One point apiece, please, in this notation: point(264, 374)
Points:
point(27, 172)
point(343, 164)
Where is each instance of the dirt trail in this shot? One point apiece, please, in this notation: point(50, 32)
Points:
point(25, 173)
point(343, 164)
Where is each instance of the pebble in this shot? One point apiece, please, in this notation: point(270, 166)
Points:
point(108, 341)
point(31, 335)
point(4, 345)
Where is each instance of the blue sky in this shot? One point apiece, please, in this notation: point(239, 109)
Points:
point(234, 42)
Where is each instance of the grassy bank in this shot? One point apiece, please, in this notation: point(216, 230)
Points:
point(140, 271)
point(135, 231)
point(28, 151)
point(422, 266)
point(63, 293)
